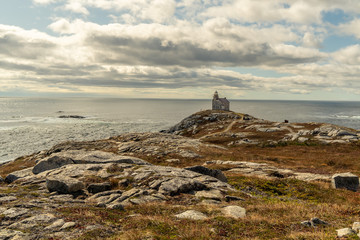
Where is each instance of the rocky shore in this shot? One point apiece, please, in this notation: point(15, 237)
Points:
point(232, 174)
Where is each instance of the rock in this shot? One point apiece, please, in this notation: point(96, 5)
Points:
point(229, 198)
point(192, 214)
point(72, 116)
point(317, 221)
point(51, 163)
point(63, 185)
point(302, 139)
point(348, 181)
point(14, 213)
point(345, 133)
point(210, 194)
point(99, 187)
point(31, 222)
point(117, 206)
point(234, 212)
point(18, 174)
point(306, 223)
point(210, 202)
point(124, 183)
point(7, 199)
point(68, 225)
point(210, 172)
point(62, 198)
point(134, 192)
point(56, 225)
point(344, 232)
point(174, 160)
point(356, 226)
point(6, 234)
point(147, 198)
point(100, 195)
point(96, 157)
point(180, 185)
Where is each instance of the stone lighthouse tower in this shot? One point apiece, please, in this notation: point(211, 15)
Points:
point(220, 103)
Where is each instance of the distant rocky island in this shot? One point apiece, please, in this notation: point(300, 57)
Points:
point(214, 175)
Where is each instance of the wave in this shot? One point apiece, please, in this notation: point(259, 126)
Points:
point(347, 116)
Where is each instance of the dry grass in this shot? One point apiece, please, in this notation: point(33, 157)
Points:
point(18, 164)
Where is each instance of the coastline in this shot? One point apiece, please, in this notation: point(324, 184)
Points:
point(212, 169)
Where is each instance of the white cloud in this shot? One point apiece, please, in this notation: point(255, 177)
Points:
point(349, 55)
point(301, 12)
point(351, 28)
point(311, 40)
point(76, 7)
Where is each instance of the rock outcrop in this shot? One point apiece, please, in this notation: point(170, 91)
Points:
point(347, 181)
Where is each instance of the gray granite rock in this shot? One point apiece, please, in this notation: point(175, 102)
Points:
point(64, 185)
point(99, 187)
point(117, 206)
point(180, 185)
point(356, 227)
point(344, 232)
point(68, 225)
point(234, 212)
point(34, 221)
point(18, 174)
point(7, 234)
point(210, 194)
point(14, 213)
point(347, 181)
point(51, 162)
point(210, 172)
point(7, 199)
point(56, 225)
point(191, 214)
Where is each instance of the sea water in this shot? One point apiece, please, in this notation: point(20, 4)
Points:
point(28, 125)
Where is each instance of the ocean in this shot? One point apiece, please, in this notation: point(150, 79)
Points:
point(28, 125)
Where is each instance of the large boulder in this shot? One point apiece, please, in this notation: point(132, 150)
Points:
point(64, 185)
point(52, 162)
point(210, 172)
point(348, 181)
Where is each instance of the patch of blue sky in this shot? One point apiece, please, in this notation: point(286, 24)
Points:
point(24, 14)
point(335, 42)
point(101, 16)
point(256, 72)
point(336, 17)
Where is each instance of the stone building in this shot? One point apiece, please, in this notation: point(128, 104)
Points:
point(220, 103)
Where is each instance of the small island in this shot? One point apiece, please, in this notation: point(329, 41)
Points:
point(222, 174)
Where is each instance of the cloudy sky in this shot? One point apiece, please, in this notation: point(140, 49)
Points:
point(245, 49)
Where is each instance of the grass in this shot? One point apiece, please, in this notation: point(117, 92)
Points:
point(265, 220)
point(16, 165)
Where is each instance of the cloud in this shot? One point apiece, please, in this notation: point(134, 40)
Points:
point(166, 45)
point(349, 55)
point(351, 28)
point(76, 7)
point(300, 12)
